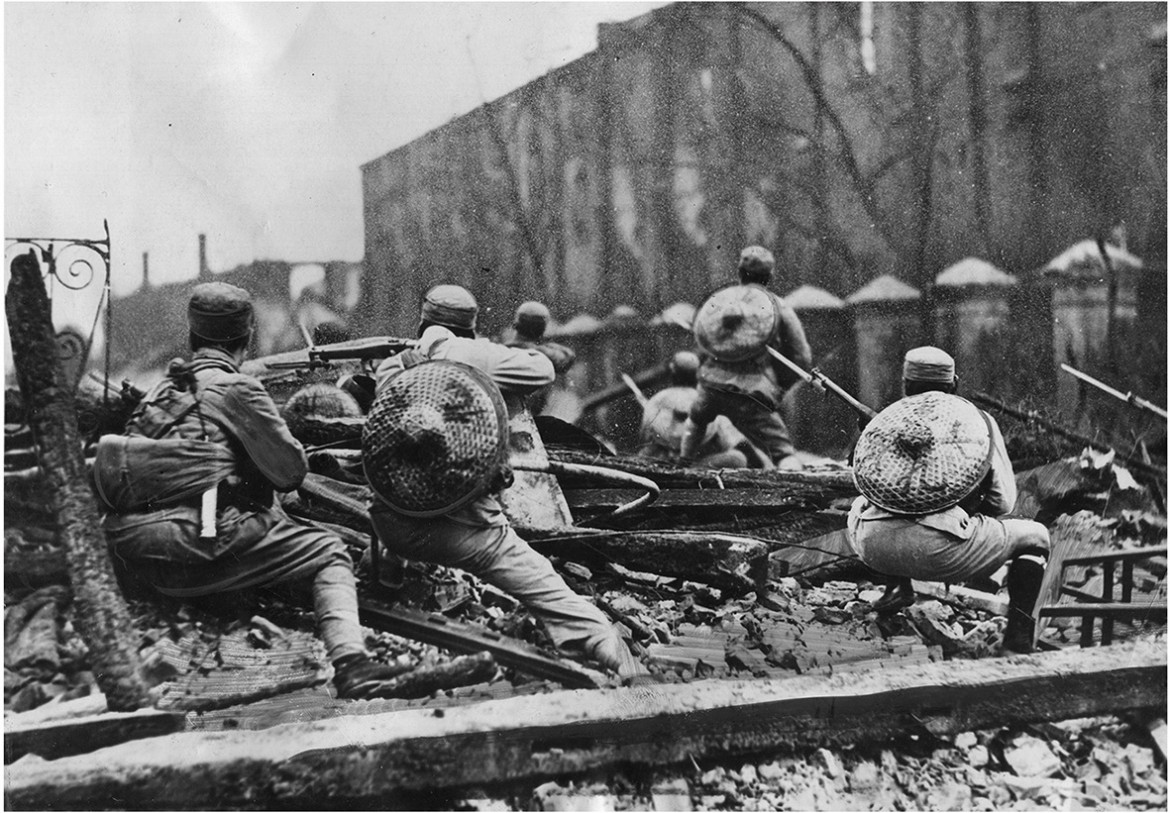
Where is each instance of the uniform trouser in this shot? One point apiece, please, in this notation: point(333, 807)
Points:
point(496, 554)
point(760, 424)
point(899, 546)
point(252, 549)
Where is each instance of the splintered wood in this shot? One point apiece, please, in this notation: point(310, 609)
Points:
point(379, 757)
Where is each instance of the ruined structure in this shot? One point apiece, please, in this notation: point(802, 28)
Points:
point(852, 140)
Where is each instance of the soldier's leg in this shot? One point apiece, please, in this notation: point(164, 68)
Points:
point(1028, 543)
point(496, 554)
point(766, 429)
point(703, 411)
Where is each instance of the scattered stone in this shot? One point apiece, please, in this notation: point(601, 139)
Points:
point(966, 740)
point(770, 771)
point(864, 776)
point(747, 774)
point(1024, 787)
point(1095, 790)
point(831, 764)
point(1029, 756)
point(709, 802)
point(713, 777)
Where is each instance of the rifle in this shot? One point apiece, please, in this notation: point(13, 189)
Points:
point(1031, 416)
point(378, 347)
point(1128, 397)
point(636, 390)
point(814, 378)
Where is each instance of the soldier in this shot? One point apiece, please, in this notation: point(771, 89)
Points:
point(529, 325)
point(206, 446)
point(936, 484)
point(747, 386)
point(476, 536)
point(664, 418)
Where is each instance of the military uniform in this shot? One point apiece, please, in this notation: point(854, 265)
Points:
point(749, 391)
point(207, 426)
point(477, 536)
point(528, 334)
point(918, 448)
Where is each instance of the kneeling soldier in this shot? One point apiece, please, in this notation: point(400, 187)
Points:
point(190, 490)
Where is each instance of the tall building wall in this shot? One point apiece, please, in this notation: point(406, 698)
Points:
point(634, 175)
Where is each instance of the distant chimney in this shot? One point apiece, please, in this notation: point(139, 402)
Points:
point(145, 270)
point(204, 271)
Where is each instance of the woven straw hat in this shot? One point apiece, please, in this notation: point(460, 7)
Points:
point(737, 322)
point(436, 438)
point(922, 454)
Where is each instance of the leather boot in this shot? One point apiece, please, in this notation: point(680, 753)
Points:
point(358, 677)
point(1025, 577)
point(898, 596)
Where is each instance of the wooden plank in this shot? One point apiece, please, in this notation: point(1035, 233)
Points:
point(605, 499)
point(534, 501)
point(459, 637)
point(962, 596)
point(1115, 556)
point(62, 738)
point(815, 488)
point(389, 759)
point(728, 561)
point(1136, 610)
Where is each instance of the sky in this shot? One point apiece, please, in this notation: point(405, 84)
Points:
point(247, 122)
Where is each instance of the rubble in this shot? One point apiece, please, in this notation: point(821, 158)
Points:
point(802, 617)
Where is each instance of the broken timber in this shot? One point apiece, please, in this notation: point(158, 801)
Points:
point(441, 631)
point(102, 616)
point(728, 561)
point(61, 738)
point(814, 488)
point(385, 758)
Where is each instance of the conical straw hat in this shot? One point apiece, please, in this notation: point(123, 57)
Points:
point(436, 438)
point(737, 322)
point(923, 454)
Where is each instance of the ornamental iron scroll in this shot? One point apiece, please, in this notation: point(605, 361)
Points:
point(74, 264)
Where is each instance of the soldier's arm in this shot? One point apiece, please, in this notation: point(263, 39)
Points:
point(253, 419)
point(518, 370)
point(562, 357)
point(1002, 493)
point(791, 341)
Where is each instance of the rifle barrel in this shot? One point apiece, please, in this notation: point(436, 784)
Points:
point(983, 399)
point(1128, 397)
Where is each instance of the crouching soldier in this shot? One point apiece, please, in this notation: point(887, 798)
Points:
point(435, 451)
point(936, 484)
point(190, 490)
point(664, 423)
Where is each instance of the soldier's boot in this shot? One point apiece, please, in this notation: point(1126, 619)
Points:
point(1024, 579)
point(359, 677)
point(898, 596)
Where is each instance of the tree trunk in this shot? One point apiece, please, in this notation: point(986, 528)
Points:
point(102, 617)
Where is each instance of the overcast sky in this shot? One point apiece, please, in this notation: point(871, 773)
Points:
point(245, 121)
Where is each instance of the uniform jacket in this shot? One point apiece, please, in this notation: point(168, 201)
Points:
point(762, 378)
point(998, 497)
point(172, 450)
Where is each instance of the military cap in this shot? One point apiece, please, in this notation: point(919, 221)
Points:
point(756, 262)
point(928, 364)
point(450, 306)
point(532, 319)
point(684, 367)
point(219, 312)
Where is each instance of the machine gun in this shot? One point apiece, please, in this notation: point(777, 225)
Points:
point(374, 348)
